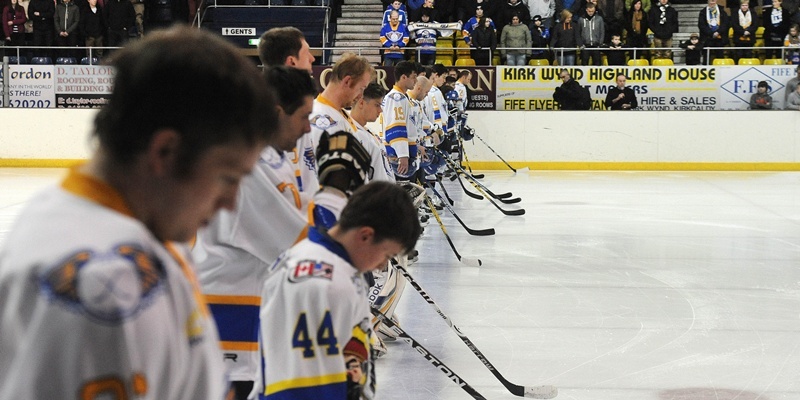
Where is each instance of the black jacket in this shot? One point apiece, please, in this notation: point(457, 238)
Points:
point(92, 24)
point(46, 10)
point(568, 95)
point(630, 98)
point(670, 26)
point(119, 15)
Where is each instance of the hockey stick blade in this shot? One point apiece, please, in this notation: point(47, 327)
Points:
point(444, 190)
point(478, 176)
point(510, 201)
point(471, 262)
point(536, 392)
point(473, 232)
point(525, 169)
point(438, 364)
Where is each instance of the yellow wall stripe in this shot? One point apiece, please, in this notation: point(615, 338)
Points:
point(39, 163)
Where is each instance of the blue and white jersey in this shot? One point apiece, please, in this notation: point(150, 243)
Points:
point(236, 249)
point(314, 309)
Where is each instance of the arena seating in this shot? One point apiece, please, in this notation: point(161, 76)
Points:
point(262, 18)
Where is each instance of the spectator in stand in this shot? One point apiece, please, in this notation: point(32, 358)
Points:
point(413, 10)
point(398, 6)
point(663, 21)
point(761, 100)
point(566, 37)
point(484, 41)
point(42, 13)
point(574, 7)
point(491, 8)
point(613, 13)
point(545, 9)
point(592, 31)
point(694, 50)
point(791, 85)
point(645, 6)
point(637, 26)
point(119, 16)
point(92, 27)
point(793, 101)
point(473, 24)
point(67, 19)
point(792, 43)
point(569, 94)
point(540, 38)
point(744, 23)
point(429, 7)
point(394, 38)
point(514, 8)
point(516, 35)
point(426, 40)
point(776, 26)
point(14, 23)
point(616, 54)
point(138, 10)
point(621, 97)
point(714, 26)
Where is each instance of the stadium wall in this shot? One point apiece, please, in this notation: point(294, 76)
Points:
point(577, 140)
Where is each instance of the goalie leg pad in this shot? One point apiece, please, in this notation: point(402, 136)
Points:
point(338, 153)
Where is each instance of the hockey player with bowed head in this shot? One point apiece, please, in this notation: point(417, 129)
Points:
point(235, 251)
point(400, 147)
point(318, 294)
point(348, 78)
point(365, 110)
point(96, 299)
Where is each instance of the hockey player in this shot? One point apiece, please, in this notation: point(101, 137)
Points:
point(287, 46)
point(367, 109)
point(435, 103)
point(401, 146)
point(319, 295)
point(349, 76)
point(236, 250)
point(97, 300)
point(461, 86)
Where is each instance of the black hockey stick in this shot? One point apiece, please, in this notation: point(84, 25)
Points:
point(458, 176)
point(470, 262)
point(482, 189)
point(537, 392)
point(466, 159)
point(520, 211)
point(498, 155)
point(444, 190)
point(438, 364)
point(473, 232)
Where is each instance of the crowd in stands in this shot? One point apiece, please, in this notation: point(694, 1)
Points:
point(84, 23)
point(592, 32)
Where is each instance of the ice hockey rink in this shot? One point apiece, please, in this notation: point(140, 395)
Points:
point(612, 286)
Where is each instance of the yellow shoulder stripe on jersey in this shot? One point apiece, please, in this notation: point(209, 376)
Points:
point(95, 190)
point(305, 382)
point(400, 139)
point(238, 346)
point(235, 300)
point(190, 276)
point(403, 123)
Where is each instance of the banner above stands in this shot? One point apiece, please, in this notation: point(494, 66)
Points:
point(502, 88)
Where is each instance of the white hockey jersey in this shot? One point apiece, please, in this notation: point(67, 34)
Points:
point(92, 305)
point(398, 125)
point(314, 309)
point(381, 170)
point(236, 250)
point(462, 93)
point(438, 109)
point(326, 117)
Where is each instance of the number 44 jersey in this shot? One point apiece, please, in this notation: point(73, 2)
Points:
point(315, 325)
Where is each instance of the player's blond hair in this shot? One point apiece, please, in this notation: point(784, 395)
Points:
point(351, 65)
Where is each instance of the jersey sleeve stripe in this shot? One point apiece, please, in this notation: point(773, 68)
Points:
point(238, 346)
point(233, 300)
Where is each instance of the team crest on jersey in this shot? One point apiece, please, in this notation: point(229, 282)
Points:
point(109, 286)
point(396, 96)
point(311, 269)
point(323, 121)
point(394, 36)
point(309, 159)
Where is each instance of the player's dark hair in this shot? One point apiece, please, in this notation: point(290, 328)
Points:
point(385, 207)
point(440, 69)
point(374, 91)
point(449, 80)
point(292, 86)
point(278, 43)
point(404, 68)
point(210, 97)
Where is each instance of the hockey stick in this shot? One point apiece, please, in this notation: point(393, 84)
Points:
point(457, 175)
point(536, 392)
point(444, 190)
point(482, 189)
point(438, 364)
point(520, 211)
point(466, 159)
point(498, 155)
point(470, 262)
point(473, 232)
